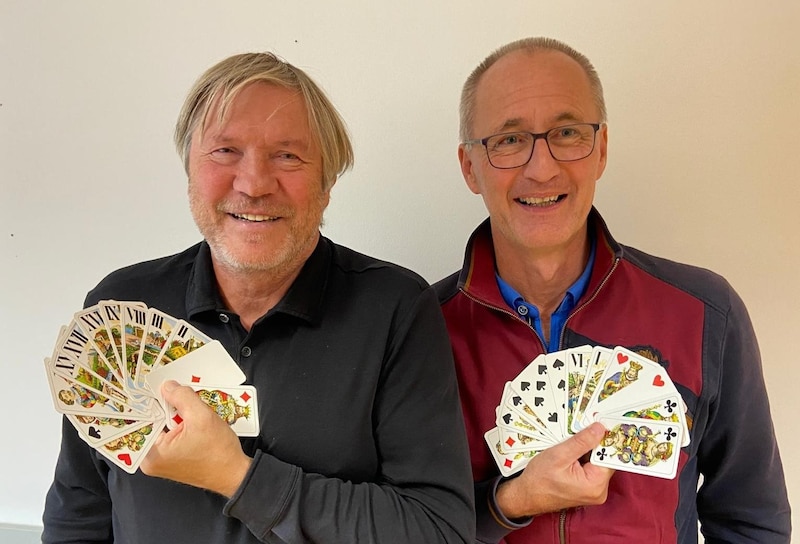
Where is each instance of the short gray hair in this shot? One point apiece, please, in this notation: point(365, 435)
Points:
point(222, 83)
point(467, 107)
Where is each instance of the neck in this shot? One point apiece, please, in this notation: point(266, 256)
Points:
point(542, 276)
point(250, 293)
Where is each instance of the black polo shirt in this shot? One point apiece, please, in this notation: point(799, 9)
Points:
point(361, 440)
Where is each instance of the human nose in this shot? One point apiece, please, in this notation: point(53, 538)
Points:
point(254, 176)
point(541, 166)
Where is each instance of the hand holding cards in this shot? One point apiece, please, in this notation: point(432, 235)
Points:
point(107, 368)
point(560, 393)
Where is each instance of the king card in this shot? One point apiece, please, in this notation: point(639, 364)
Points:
point(642, 446)
point(628, 378)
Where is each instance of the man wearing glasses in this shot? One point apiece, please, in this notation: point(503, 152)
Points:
point(543, 274)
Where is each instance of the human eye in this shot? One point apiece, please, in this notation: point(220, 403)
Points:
point(288, 159)
point(509, 141)
point(564, 132)
point(569, 134)
point(223, 155)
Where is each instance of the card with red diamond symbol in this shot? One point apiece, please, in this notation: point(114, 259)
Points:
point(560, 393)
point(106, 371)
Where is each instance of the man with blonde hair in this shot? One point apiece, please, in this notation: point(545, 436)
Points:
point(361, 436)
point(542, 274)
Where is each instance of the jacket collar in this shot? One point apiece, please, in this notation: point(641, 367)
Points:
point(477, 277)
point(303, 299)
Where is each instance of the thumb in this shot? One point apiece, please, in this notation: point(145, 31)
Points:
point(583, 442)
point(181, 397)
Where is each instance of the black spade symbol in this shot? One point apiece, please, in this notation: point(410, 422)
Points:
point(94, 433)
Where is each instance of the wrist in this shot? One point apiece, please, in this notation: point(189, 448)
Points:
point(234, 474)
point(508, 500)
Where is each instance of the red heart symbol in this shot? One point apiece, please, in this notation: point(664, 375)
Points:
point(657, 381)
point(195, 379)
point(125, 458)
point(621, 358)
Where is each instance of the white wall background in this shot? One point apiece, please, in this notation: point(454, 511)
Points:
point(703, 161)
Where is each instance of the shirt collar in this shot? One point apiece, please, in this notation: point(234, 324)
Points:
point(303, 299)
point(571, 297)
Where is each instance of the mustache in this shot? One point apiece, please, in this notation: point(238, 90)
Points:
point(258, 206)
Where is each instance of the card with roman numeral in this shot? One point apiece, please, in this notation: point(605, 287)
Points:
point(560, 393)
point(107, 368)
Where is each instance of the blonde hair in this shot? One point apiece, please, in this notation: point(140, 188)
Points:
point(467, 106)
point(221, 83)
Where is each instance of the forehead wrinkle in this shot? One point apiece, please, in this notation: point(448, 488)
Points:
point(517, 123)
point(218, 130)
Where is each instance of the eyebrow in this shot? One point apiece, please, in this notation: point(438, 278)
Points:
point(515, 122)
point(221, 138)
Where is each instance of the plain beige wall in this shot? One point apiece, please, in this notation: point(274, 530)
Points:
point(703, 160)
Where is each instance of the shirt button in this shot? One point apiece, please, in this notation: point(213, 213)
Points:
point(522, 310)
point(224, 318)
point(246, 351)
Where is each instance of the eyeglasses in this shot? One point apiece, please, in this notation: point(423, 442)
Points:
point(515, 149)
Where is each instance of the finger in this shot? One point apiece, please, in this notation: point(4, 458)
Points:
point(581, 443)
point(182, 398)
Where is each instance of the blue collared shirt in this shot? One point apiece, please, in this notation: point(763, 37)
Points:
point(530, 313)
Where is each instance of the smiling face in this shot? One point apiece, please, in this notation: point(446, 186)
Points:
point(255, 182)
point(542, 206)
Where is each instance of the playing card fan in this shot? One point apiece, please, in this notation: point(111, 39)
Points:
point(107, 368)
point(560, 393)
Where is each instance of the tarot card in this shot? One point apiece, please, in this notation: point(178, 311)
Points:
point(578, 360)
point(67, 367)
point(91, 322)
point(597, 365)
point(96, 430)
point(74, 343)
point(72, 397)
point(128, 451)
point(628, 378)
point(572, 375)
point(508, 463)
point(533, 386)
point(235, 405)
point(209, 364)
point(132, 325)
point(110, 310)
point(184, 339)
point(154, 339)
point(642, 446)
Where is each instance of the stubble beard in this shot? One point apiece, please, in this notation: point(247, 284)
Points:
point(284, 257)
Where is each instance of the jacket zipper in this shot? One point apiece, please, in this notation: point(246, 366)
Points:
point(582, 306)
point(562, 517)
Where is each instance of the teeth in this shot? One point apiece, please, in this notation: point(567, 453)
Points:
point(256, 218)
point(535, 201)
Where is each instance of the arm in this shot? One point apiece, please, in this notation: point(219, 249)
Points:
point(421, 491)
point(77, 507)
point(553, 480)
point(743, 497)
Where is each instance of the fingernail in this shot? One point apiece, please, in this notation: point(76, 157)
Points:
point(169, 385)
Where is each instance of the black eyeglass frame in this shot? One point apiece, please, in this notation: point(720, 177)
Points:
point(536, 136)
